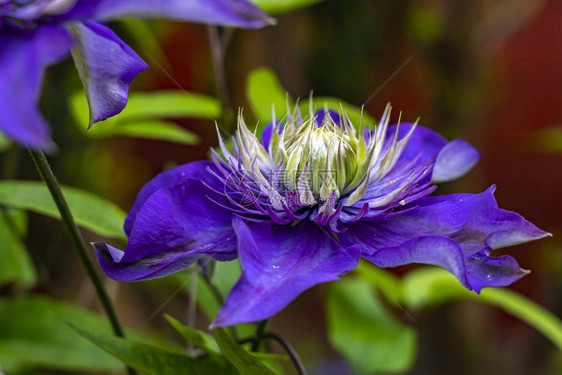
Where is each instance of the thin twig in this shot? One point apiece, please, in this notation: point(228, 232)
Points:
point(68, 221)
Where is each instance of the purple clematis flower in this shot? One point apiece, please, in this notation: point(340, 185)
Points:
point(38, 33)
point(304, 203)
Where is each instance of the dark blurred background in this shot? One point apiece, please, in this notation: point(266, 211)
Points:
point(487, 71)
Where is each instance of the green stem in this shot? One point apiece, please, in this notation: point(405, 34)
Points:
point(68, 221)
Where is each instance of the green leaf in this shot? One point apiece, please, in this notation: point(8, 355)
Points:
point(151, 360)
point(15, 263)
point(32, 334)
point(209, 346)
point(144, 114)
point(264, 92)
point(199, 339)
point(153, 129)
point(282, 6)
point(433, 286)
point(335, 104)
point(90, 211)
point(245, 362)
point(364, 332)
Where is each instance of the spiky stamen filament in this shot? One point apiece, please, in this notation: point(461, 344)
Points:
point(307, 164)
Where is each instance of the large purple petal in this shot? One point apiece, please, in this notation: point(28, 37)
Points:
point(24, 55)
point(238, 13)
point(453, 159)
point(197, 170)
point(456, 232)
point(106, 66)
point(279, 263)
point(175, 226)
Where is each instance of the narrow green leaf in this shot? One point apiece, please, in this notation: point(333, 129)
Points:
point(90, 211)
point(15, 263)
point(32, 334)
point(156, 105)
point(433, 286)
point(274, 7)
point(151, 360)
point(245, 362)
point(208, 345)
point(151, 129)
point(364, 332)
point(264, 92)
point(144, 114)
point(199, 339)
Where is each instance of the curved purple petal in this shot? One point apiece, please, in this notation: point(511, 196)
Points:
point(237, 13)
point(454, 161)
point(24, 55)
point(175, 226)
point(27, 10)
point(197, 170)
point(109, 258)
point(106, 66)
point(456, 232)
point(279, 263)
point(483, 270)
point(474, 272)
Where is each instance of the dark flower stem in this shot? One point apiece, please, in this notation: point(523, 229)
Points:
point(68, 220)
point(284, 343)
point(217, 54)
point(262, 327)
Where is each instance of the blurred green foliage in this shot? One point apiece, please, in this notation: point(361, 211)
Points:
point(33, 334)
point(145, 113)
point(15, 263)
point(274, 7)
point(365, 332)
point(90, 211)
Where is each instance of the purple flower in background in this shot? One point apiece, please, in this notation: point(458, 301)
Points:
point(304, 203)
point(38, 33)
